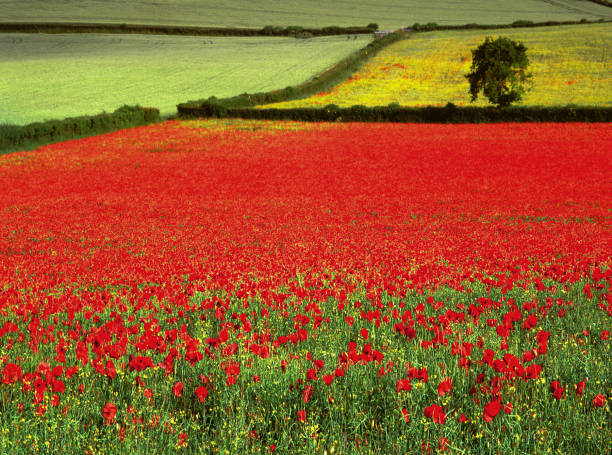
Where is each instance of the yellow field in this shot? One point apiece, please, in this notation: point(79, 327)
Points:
point(570, 64)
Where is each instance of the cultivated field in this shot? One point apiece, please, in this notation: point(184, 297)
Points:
point(257, 287)
point(56, 76)
point(389, 14)
point(570, 64)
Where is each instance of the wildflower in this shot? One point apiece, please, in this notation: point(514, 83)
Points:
point(109, 412)
point(599, 401)
point(444, 387)
point(201, 392)
point(178, 389)
point(436, 413)
point(491, 409)
point(580, 388)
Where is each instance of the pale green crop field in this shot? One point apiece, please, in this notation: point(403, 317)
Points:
point(389, 14)
point(55, 76)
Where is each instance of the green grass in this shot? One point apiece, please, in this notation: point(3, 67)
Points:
point(56, 76)
point(246, 13)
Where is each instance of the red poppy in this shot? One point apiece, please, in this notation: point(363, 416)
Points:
point(302, 415)
point(599, 401)
point(491, 409)
point(178, 388)
point(557, 390)
point(436, 413)
point(307, 393)
point(328, 379)
point(405, 415)
point(201, 392)
point(444, 387)
point(364, 333)
point(109, 412)
point(12, 373)
point(403, 384)
point(580, 387)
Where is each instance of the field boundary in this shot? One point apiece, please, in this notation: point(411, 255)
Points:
point(399, 114)
point(15, 137)
point(324, 80)
point(339, 72)
point(143, 29)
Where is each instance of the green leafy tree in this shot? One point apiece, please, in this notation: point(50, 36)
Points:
point(499, 71)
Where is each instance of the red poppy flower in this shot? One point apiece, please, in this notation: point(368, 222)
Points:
point(109, 412)
point(444, 387)
point(328, 379)
point(302, 415)
point(178, 389)
point(307, 393)
point(12, 373)
point(436, 413)
point(403, 384)
point(580, 387)
point(405, 415)
point(462, 418)
point(599, 401)
point(491, 409)
point(201, 392)
point(364, 333)
point(508, 408)
point(557, 390)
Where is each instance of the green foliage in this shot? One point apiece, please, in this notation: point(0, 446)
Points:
point(13, 137)
point(373, 26)
point(498, 70)
point(395, 113)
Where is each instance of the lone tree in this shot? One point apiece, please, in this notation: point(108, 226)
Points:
point(498, 70)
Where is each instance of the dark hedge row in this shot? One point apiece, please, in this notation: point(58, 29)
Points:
point(432, 26)
point(318, 83)
point(70, 27)
point(447, 114)
point(14, 136)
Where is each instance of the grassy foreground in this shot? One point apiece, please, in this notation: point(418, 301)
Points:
point(56, 76)
point(389, 14)
point(211, 287)
point(570, 64)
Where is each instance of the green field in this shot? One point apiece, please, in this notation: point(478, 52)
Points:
point(570, 64)
point(258, 13)
point(56, 76)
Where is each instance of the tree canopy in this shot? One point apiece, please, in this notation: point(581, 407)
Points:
point(499, 71)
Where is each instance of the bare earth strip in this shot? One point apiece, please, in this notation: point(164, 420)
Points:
point(311, 13)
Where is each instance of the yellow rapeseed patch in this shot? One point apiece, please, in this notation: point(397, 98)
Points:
point(570, 64)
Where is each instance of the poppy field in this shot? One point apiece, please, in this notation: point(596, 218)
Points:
point(236, 286)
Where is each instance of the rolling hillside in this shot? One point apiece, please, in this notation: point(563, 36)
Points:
point(56, 76)
point(570, 64)
point(258, 13)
